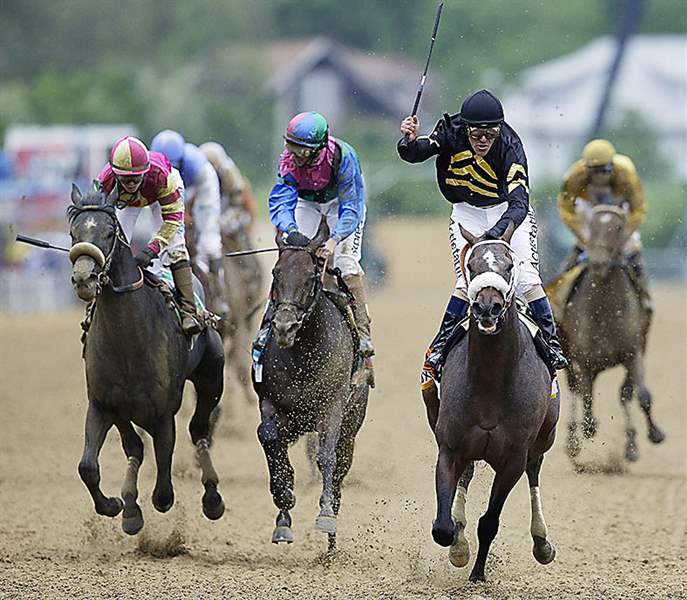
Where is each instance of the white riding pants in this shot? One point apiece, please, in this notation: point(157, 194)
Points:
point(349, 250)
point(205, 211)
point(477, 221)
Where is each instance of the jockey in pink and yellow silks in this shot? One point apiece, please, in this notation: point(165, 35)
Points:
point(142, 179)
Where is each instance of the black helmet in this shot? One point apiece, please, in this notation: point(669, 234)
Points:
point(481, 109)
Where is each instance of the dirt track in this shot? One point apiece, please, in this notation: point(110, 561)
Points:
point(618, 536)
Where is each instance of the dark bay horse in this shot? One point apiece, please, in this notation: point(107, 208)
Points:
point(604, 324)
point(137, 360)
point(496, 405)
point(305, 385)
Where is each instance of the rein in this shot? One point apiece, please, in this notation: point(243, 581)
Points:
point(317, 290)
point(105, 262)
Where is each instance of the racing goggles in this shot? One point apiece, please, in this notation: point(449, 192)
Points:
point(302, 152)
point(600, 169)
point(130, 182)
point(477, 133)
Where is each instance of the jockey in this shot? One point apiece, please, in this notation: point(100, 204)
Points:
point(599, 173)
point(482, 170)
point(319, 175)
point(145, 178)
point(238, 203)
point(203, 198)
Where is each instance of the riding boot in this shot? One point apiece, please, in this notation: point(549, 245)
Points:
point(434, 357)
point(183, 281)
point(218, 285)
point(263, 334)
point(541, 310)
point(356, 286)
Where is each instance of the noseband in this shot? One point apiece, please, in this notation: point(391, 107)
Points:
point(303, 309)
point(491, 278)
point(104, 262)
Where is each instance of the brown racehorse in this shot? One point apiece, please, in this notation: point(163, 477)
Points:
point(605, 323)
point(496, 405)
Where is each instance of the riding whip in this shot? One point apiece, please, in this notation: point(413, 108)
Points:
point(40, 243)
point(429, 56)
point(248, 252)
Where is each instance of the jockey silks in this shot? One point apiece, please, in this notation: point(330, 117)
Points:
point(463, 176)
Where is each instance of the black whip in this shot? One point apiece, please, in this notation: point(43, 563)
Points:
point(429, 56)
point(40, 243)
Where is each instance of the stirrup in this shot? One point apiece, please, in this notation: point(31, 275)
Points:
point(190, 325)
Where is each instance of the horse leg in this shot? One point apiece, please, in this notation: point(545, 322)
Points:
point(97, 426)
point(326, 461)
point(504, 480)
point(543, 550)
point(132, 517)
point(446, 479)
point(274, 444)
point(163, 441)
point(589, 422)
point(208, 381)
point(573, 445)
point(626, 394)
point(459, 553)
point(655, 434)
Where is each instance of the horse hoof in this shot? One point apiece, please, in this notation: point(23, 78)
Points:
point(443, 535)
point(325, 524)
point(132, 519)
point(213, 505)
point(656, 436)
point(282, 535)
point(111, 508)
point(543, 550)
point(459, 552)
point(477, 575)
point(631, 454)
point(163, 503)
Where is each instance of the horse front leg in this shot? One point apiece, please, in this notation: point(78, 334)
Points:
point(626, 395)
point(163, 441)
point(459, 552)
point(327, 463)
point(97, 426)
point(132, 517)
point(274, 443)
point(573, 446)
point(449, 466)
point(488, 526)
point(589, 422)
point(656, 436)
point(543, 550)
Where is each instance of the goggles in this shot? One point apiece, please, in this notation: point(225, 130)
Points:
point(600, 169)
point(303, 152)
point(130, 182)
point(477, 133)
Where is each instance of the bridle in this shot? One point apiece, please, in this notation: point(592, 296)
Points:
point(491, 278)
point(306, 309)
point(104, 262)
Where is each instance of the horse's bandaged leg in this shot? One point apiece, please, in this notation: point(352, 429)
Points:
point(130, 485)
point(459, 506)
point(538, 525)
point(459, 552)
point(207, 469)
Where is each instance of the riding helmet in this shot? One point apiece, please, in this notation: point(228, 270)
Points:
point(129, 156)
point(481, 109)
point(308, 129)
point(171, 144)
point(598, 153)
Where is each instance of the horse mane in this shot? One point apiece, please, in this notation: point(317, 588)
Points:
point(92, 200)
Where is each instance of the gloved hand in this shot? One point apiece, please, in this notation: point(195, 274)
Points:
point(145, 257)
point(490, 235)
point(296, 238)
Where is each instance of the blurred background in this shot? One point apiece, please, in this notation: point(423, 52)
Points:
point(76, 74)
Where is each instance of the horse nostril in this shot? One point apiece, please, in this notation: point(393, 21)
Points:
point(496, 309)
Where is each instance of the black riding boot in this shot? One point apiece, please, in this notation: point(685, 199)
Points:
point(263, 334)
point(641, 281)
point(541, 310)
point(183, 280)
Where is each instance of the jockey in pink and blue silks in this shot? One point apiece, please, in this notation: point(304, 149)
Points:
point(320, 176)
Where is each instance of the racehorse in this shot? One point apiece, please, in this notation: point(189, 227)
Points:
point(305, 384)
point(496, 405)
point(137, 360)
point(604, 324)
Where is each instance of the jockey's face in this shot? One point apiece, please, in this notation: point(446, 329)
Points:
point(482, 138)
point(600, 176)
point(130, 183)
point(302, 155)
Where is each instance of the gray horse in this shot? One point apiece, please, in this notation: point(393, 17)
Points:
point(137, 360)
point(604, 324)
point(496, 405)
point(305, 385)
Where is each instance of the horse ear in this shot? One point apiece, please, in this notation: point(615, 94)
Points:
point(321, 236)
point(76, 195)
point(112, 196)
point(508, 234)
point(469, 237)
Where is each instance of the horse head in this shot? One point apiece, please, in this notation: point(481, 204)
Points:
point(606, 226)
point(93, 229)
point(491, 273)
point(297, 282)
